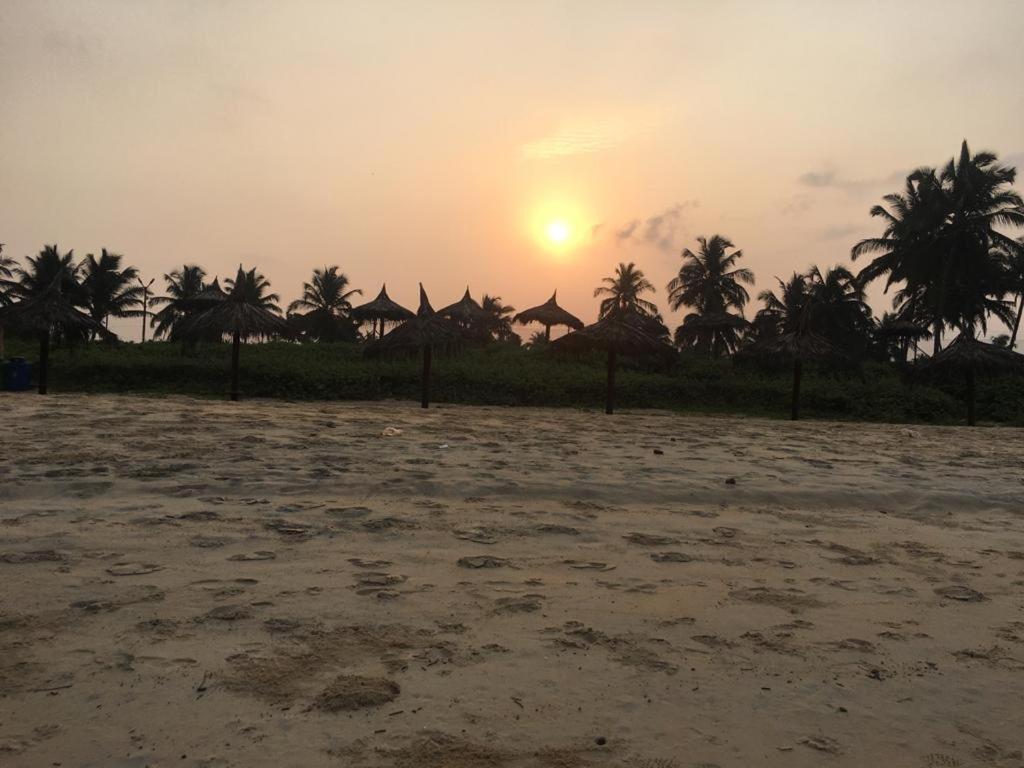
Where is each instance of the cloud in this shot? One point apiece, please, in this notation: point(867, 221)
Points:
point(829, 177)
point(659, 230)
point(574, 141)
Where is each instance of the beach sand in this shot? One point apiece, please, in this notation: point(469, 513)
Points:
point(201, 583)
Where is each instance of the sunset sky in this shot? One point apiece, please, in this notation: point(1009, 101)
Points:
point(440, 141)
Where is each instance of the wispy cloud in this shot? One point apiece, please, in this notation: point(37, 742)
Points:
point(829, 177)
point(659, 230)
point(576, 141)
point(841, 232)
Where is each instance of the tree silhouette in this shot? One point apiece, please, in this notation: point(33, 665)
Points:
point(623, 292)
point(111, 290)
point(711, 284)
point(326, 299)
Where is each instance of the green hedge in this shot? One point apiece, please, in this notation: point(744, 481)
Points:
point(512, 376)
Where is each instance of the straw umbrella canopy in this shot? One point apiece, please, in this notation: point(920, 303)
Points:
point(466, 311)
point(969, 357)
point(699, 329)
point(901, 330)
point(796, 346)
point(549, 314)
point(627, 332)
point(233, 315)
point(382, 309)
point(45, 314)
point(424, 331)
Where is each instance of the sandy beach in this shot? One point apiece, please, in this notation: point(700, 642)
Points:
point(200, 583)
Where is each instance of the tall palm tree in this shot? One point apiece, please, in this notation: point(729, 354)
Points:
point(40, 271)
point(111, 289)
point(326, 299)
point(184, 285)
point(7, 267)
point(838, 310)
point(782, 311)
point(496, 322)
point(623, 292)
point(711, 284)
point(252, 288)
point(244, 312)
point(942, 241)
point(1014, 263)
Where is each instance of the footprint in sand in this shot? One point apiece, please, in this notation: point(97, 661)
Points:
point(350, 692)
point(247, 557)
point(209, 542)
point(671, 557)
point(361, 563)
point(378, 584)
point(649, 540)
point(524, 604)
point(133, 569)
point(582, 565)
point(37, 556)
point(483, 561)
point(227, 613)
point(961, 593)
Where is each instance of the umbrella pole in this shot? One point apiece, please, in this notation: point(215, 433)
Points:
point(44, 360)
point(425, 394)
point(970, 396)
point(236, 343)
point(798, 366)
point(547, 333)
point(609, 398)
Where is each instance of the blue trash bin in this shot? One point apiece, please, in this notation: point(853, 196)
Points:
point(17, 375)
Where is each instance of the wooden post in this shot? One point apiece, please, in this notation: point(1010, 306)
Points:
point(609, 398)
point(236, 344)
point(44, 360)
point(970, 396)
point(798, 369)
point(425, 394)
point(547, 333)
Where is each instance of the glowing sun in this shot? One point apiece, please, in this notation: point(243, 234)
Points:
point(558, 231)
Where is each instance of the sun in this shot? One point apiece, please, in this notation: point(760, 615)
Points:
point(558, 231)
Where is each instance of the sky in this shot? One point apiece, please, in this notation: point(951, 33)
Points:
point(438, 142)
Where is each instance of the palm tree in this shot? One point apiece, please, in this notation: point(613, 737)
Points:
point(1014, 265)
point(251, 288)
point(110, 290)
point(40, 271)
point(942, 241)
point(838, 310)
point(184, 285)
point(496, 322)
point(246, 311)
point(326, 299)
point(623, 292)
point(7, 266)
point(710, 282)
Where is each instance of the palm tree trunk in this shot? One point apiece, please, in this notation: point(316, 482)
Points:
point(970, 396)
point(1013, 336)
point(44, 360)
point(609, 396)
point(798, 370)
point(937, 337)
point(236, 344)
point(425, 382)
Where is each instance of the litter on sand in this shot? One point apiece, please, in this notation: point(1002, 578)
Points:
point(391, 432)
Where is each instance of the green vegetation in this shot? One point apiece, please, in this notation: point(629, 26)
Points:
point(504, 375)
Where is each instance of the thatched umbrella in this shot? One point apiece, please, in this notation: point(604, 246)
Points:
point(699, 328)
point(233, 315)
point(465, 311)
point(382, 309)
point(45, 314)
point(425, 330)
point(969, 356)
point(549, 314)
point(797, 346)
point(903, 331)
point(627, 332)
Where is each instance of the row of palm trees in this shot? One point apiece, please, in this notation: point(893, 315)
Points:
point(942, 248)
